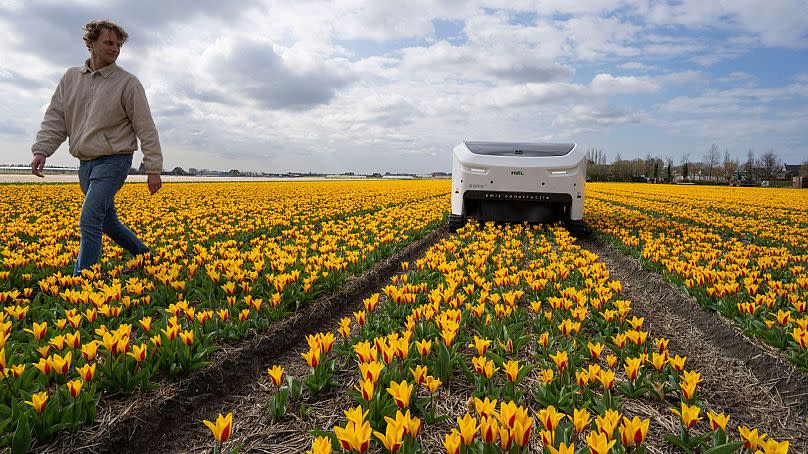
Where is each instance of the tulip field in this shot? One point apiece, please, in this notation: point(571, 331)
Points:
point(497, 339)
point(742, 252)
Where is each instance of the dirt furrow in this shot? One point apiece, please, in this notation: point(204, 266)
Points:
point(164, 420)
point(747, 381)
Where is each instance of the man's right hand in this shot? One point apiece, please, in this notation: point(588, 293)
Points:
point(37, 165)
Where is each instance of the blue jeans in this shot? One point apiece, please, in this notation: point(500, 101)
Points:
point(100, 180)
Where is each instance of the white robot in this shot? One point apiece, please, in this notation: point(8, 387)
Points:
point(518, 182)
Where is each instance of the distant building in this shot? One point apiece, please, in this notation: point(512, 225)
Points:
point(788, 171)
point(178, 171)
point(26, 170)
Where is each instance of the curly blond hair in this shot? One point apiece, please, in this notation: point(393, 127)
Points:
point(95, 26)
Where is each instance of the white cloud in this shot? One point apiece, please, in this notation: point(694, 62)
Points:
point(528, 94)
point(582, 118)
point(778, 23)
point(635, 65)
point(606, 84)
point(681, 77)
point(738, 77)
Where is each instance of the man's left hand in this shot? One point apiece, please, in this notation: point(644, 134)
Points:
point(155, 183)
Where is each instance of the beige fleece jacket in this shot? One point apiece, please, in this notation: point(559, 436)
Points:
point(103, 113)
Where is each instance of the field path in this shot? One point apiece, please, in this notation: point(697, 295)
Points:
point(746, 380)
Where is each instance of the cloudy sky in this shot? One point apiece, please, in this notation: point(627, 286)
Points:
point(369, 86)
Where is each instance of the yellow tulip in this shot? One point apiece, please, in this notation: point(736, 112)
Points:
point(521, 431)
point(276, 375)
point(633, 368)
point(432, 383)
point(370, 371)
point(61, 365)
point(38, 401)
point(187, 337)
point(599, 443)
point(44, 365)
point(401, 393)
point(688, 414)
point(39, 330)
point(773, 447)
point(74, 386)
point(658, 360)
point(607, 423)
point(451, 442)
point(418, 374)
point(354, 436)
point(595, 349)
point(139, 352)
point(366, 388)
point(606, 378)
point(221, 428)
point(485, 407)
point(634, 431)
point(87, 371)
point(489, 429)
point(718, 421)
point(17, 370)
point(468, 428)
point(365, 352)
point(751, 438)
point(320, 445)
point(547, 376)
point(312, 356)
point(560, 359)
point(563, 448)
point(393, 437)
point(678, 362)
point(580, 419)
point(481, 345)
point(550, 417)
point(424, 346)
point(511, 369)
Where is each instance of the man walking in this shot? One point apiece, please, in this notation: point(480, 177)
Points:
point(103, 110)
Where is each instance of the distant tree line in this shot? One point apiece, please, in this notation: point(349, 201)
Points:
point(715, 166)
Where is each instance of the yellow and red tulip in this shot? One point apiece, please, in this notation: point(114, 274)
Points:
point(222, 428)
point(634, 431)
point(320, 445)
point(401, 393)
point(276, 375)
point(688, 414)
point(38, 401)
point(74, 386)
point(718, 421)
